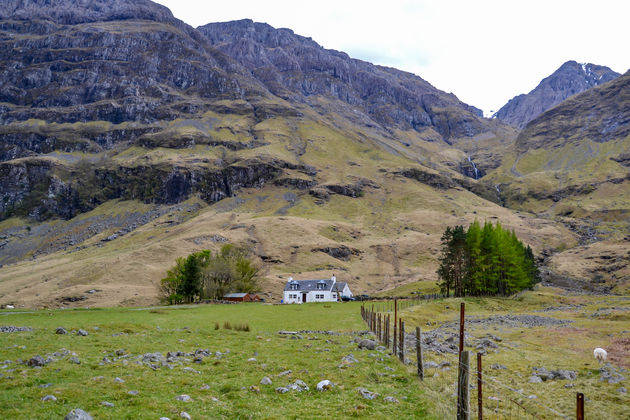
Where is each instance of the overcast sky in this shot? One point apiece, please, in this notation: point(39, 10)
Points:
point(484, 51)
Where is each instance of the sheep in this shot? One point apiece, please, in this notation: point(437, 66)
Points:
point(600, 354)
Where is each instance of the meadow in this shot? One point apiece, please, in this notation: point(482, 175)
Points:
point(220, 369)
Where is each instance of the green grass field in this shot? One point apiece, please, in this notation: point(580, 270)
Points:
point(228, 385)
point(312, 359)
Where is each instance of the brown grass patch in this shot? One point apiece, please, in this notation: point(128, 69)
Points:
point(619, 352)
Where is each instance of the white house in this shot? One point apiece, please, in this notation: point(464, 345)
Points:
point(324, 290)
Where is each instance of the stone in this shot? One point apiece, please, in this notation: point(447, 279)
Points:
point(497, 366)
point(286, 372)
point(74, 360)
point(204, 387)
point(107, 404)
point(299, 385)
point(368, 395)
point(61, 330)
point(184, 398)
point(49, 398)
point(36, 361)
point(265, 381)
point(367, 344)
point(251, 359)
point(45, 385)
point(78, 414)
point(569, 385)
point(119, 380)
point(564, 374)
point(189, 369)
point(622, 390)
point(185, 415)
point(133, 392)
point(391, 399)
point(535, 379)
point(532, 397)
point(324, 385)
point(282, 390)
point(164, 418)
point(83, 333)
point(429, 365)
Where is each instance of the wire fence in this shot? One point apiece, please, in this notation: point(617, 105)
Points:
point(486, 397)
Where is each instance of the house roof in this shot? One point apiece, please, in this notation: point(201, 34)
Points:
point(309, 285)
point(235, 295)
point(340, 285)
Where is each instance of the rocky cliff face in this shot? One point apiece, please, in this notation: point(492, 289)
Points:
point(296, 68)
point(571, 78)
point(89, 86)
point(600, 114)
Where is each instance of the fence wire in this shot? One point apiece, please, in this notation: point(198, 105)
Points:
point(499, 401)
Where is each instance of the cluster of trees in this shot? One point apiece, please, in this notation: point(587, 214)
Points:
point(203, 275)
point(485, 261)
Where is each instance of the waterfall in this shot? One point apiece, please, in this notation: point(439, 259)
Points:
point(474, 167)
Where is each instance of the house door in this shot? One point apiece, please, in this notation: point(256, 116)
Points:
point(303, 297)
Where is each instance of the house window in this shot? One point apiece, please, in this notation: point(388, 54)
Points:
point(319, 296)
point(294, 287)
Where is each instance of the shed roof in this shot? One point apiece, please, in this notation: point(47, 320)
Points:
point(235, 295)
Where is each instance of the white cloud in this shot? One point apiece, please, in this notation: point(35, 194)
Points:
point(484, 51)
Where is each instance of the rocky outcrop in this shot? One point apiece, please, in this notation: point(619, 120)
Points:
point(40, 189)
point(295, 67)
point(571, 78)
point(599, 114)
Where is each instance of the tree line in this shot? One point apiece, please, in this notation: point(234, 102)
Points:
point(204, 275)
point(486, 260)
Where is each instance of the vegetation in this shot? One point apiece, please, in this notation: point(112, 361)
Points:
point(484, 261)
point(221, 388)
point(202, 275)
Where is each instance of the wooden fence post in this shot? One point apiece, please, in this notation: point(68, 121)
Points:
point(419, 353)
point(463, 404)
point(395, 326)
point(479, 389)
point(461, 330)
point(401, 342)
point(580, 406)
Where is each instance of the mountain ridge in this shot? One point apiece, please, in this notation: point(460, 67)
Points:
point(569, 79)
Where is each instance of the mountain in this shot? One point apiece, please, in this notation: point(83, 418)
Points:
point(128, 138)
point(296, 68)
point(571, 78)
point(572, 163)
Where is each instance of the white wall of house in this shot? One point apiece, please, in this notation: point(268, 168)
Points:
point(295, 296)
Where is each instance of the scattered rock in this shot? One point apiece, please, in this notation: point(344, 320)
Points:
point(45, 385)
point(185, 415)
point(82, 333)
point(286, 372)
point(49, 398)
point(36, 361)
point(74, 360)
point(430, 365)
point(78, 414)
point(622, 390)
point(532, 397)
point(368, 395)
point(391, 399)
point(189, 369)
point(265, 381)
point(498, 366)
point(367, 344)
point(298, 386)
point(251, 359)
point(11, 328)
point(184, 398)
point(324, 385)
point(204, 387)
point(106, 404)
point(282, 390)
point(61, 330)
point(119, 380)
point(133, 392)
point(535, 379)
point(569, 385)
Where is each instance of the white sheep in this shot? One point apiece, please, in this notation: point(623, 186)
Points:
point(600, 354)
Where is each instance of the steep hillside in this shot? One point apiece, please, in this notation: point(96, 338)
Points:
point(571, 78)
point(572, 163)
point(128, 138)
